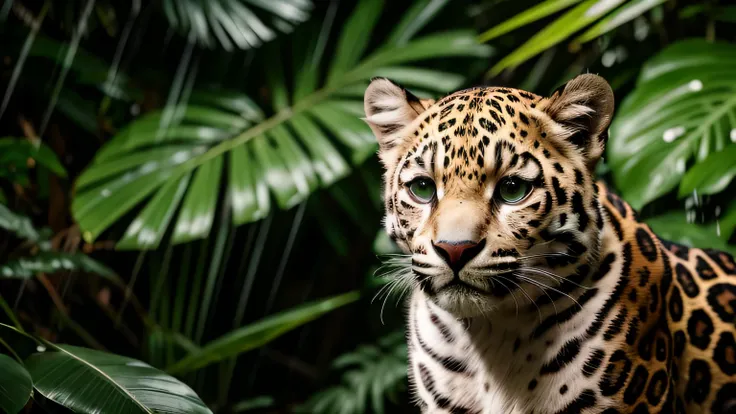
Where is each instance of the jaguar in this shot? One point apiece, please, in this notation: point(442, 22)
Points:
point(534, 287)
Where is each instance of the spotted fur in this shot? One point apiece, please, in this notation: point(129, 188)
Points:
point(568, 304)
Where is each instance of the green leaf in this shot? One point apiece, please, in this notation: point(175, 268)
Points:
point(683, 105)
point(88, 68)
point(52, 262)
point(235, 23)
point(354, 37)
point(530, 15)
point(260, 333)
point(712, 175)
point(309, 143)
point(149, 227)
point(198, 211)
point(18, 224)
point(104, 382)
point(727, 223)
point(372, 370)
point(16, 386)
point(253, 404)
point(557, 31)
point(420, 13)
point(19, 150)
point(628, 12)
point(675, 227)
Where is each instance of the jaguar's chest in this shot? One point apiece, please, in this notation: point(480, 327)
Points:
point(479, 366)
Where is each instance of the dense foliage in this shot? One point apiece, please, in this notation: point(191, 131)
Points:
point(189, 199)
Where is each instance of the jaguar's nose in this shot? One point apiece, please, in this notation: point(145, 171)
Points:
point(458, 253)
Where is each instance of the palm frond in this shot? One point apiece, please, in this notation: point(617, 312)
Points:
point(371, 374)
point(235, 24)
point(603, 15)
point(183, 157)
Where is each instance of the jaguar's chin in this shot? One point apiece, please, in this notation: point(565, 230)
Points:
point(464, 301)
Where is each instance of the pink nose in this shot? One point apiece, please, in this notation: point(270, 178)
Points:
point(457, 254)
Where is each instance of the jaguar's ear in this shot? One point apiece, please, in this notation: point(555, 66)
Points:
point(389, 108)
point(583, 108)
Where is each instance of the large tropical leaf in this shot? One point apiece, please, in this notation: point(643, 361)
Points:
point(235, 23)
point(15, 385)
point(260, 333)
point(675, 226)
point(683, 109)
point(88, 381)
point(712, 175)
point(182, 158)
point(605, 13)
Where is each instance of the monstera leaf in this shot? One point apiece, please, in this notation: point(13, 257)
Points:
point(682, 110)
point(182, 158)
point(88, 381)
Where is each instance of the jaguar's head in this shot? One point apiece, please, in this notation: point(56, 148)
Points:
point(490, 190)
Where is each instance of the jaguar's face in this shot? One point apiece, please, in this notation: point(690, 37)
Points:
point(490, 189)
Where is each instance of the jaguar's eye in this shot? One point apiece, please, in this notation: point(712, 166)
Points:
point(511, 190)
point(422, 189)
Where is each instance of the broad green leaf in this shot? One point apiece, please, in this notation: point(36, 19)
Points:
point(18, 224)
point(712, 175)
point(532, 14)
point(684, 96)
point(259, 333)
point(52, 262)
point(305, 145)
point(88, 381)
point(15, 385)
point(675, 227)
point(235, 23)
point(557, 31)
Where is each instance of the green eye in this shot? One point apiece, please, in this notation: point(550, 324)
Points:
point(422, 190)
point(511, 190)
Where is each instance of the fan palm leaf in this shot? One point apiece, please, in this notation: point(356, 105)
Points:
point(235, 24)
point(180, 159)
